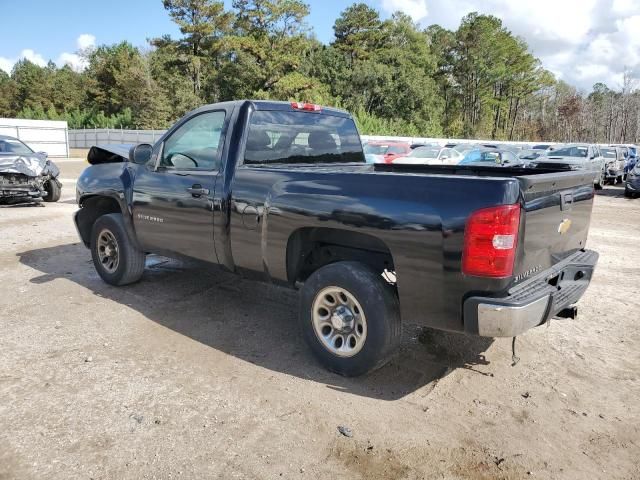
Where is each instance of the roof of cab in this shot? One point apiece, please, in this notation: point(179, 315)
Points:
point(273, 105)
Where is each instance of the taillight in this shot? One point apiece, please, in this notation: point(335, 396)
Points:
point(490, 241)
point(307, 107)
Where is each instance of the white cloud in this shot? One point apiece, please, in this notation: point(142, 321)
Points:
point(86, 40)
point(33, 57)
point(581, 41)
point(416, 9)
point(75, 60)
point(6, 64)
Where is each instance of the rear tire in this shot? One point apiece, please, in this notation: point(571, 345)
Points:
point(54, 191)
point(350, 318)
point(619, 179)
point(628, 193)
point(116, 259)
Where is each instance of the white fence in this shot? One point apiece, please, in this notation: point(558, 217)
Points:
point(86, 138)
point(41, 135)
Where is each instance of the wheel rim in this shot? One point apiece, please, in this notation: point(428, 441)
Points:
point(108, 253)
point(339, 321)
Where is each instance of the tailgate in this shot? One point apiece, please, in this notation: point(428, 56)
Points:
point(555, 220)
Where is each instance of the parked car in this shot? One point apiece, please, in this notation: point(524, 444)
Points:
point(491, 156)
point(283, 191)
point(389, 150)
point(431, 156)
point(614, 164)
point(26, 175)
point(632, 182)
point(574, 156)
point(632, 160)
point(630, 156)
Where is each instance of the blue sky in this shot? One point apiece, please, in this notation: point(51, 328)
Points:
point(50, 27)
point(600, 41)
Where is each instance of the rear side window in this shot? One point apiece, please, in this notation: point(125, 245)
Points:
point(301, 137)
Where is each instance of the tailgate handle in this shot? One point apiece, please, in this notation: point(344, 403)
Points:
point(566, 201)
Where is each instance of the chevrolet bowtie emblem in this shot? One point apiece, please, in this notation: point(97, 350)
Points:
point(564, 226)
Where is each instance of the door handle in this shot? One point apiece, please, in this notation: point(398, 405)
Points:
point(197, 190)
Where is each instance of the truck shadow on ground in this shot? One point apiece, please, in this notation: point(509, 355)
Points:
point(257, 322)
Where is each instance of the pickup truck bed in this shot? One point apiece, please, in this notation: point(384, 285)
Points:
point(285, 193)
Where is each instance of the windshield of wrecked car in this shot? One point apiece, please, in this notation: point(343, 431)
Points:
point(8, 145)
point(302, 137)
point(425, 153)
point(569, 152)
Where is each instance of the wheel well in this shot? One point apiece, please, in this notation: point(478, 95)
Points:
point(310, 248)
point(92, 209)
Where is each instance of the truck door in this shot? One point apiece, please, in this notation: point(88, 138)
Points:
point(173, 197)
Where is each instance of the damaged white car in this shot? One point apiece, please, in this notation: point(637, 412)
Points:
point(26, 175)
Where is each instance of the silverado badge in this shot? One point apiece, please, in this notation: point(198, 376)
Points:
point(564, 226)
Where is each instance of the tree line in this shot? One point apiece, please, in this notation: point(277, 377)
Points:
point(479, 81)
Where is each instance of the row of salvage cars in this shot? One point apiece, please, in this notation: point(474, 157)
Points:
point(25, 175)
point(610, 164)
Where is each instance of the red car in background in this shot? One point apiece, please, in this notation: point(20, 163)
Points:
point(389, 151)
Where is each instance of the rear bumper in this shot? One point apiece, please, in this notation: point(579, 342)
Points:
point(533, 302)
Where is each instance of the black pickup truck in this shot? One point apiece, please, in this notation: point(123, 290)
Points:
point(283, 190)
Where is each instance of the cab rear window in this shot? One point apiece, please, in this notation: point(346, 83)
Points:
point(301, 137)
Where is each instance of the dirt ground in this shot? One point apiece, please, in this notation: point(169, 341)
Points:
point(195, 373)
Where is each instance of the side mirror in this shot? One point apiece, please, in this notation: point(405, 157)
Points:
point(140, 153)
point(44, 154)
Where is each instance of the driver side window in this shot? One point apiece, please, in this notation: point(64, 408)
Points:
point(195, 145)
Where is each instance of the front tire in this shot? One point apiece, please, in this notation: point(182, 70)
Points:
point(350, 318)
point(600, 183)
point(116, 259)
point(54, 191)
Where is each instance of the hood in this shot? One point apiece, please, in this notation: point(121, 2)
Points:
point(33, 165)
point(112, 153)
point(560, 159)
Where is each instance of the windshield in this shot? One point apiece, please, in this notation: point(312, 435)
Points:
point(608, 152)
point(569, 152)
point(425, 152)
point(10, 145)
point(475, 156)
point(375, 149)
point(302, 137)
